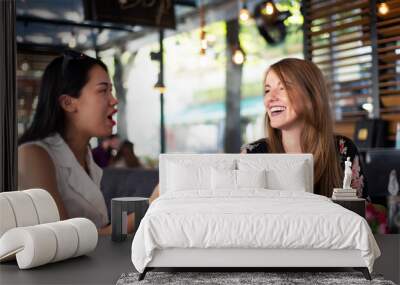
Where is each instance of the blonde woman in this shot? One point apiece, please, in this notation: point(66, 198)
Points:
point(298, 120)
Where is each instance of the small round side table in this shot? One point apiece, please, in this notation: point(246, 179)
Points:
point(120, 208)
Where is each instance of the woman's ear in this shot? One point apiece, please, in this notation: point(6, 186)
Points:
point(67, 103)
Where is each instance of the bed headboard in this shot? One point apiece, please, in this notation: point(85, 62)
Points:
point(284, 163)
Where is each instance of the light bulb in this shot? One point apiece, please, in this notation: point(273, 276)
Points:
point(238, 57)
point(269, 9)
point(244, 14)
point(160, 87)
point(383, 9)
point(203, 42)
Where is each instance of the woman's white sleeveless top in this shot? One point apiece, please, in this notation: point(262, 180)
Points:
point(80, 192)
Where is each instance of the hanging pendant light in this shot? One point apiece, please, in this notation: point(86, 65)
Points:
point(203, 42)
point(203, 38)
point(159, 86)
point(269, 9)
point(383, 8)
point(238, 56)
point(244, 13)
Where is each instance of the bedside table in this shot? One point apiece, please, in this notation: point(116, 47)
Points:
point(357, 205)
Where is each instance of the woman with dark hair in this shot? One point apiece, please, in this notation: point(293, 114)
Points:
point(75, 104)
point(298, 120)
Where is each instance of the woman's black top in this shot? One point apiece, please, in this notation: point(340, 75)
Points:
point(345, 147)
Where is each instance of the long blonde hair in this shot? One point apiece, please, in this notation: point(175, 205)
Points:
point(308, 93)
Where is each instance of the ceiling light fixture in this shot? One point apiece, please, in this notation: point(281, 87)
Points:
point(383, 8)
point(269, 9)
point(270, 22)
point(244, 13)
point(203, 42)
point(238, 56)
point(159, 86)
point(203, 38)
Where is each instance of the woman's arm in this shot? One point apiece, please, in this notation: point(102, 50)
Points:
point(36, 170)
point(155, 194)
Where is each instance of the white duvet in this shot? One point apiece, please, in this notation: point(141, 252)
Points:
point(250, 219)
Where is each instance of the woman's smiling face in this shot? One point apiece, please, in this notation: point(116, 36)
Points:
point(280, 109)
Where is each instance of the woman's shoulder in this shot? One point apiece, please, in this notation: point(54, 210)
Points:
point(258, 146)
point(33, 150)
point(44, 151)
point(48, 142)
point(34, 154)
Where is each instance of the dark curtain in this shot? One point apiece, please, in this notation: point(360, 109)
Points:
point(8, 97)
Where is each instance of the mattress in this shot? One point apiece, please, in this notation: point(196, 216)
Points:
point(251, 219)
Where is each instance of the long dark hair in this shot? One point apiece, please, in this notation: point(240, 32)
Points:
point(66, 74)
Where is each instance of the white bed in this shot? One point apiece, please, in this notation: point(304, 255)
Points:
point(237, 210)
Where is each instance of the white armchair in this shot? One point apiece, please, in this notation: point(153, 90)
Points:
point(31, 230)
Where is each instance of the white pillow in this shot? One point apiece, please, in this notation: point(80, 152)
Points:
point(185, 177)
point(290, 174)
point(223, 179)
point(293, 180)
point(236, 179)
point(251, 178)
point(192, 174)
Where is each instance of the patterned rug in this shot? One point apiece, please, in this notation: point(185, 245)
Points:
point(229, 278)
